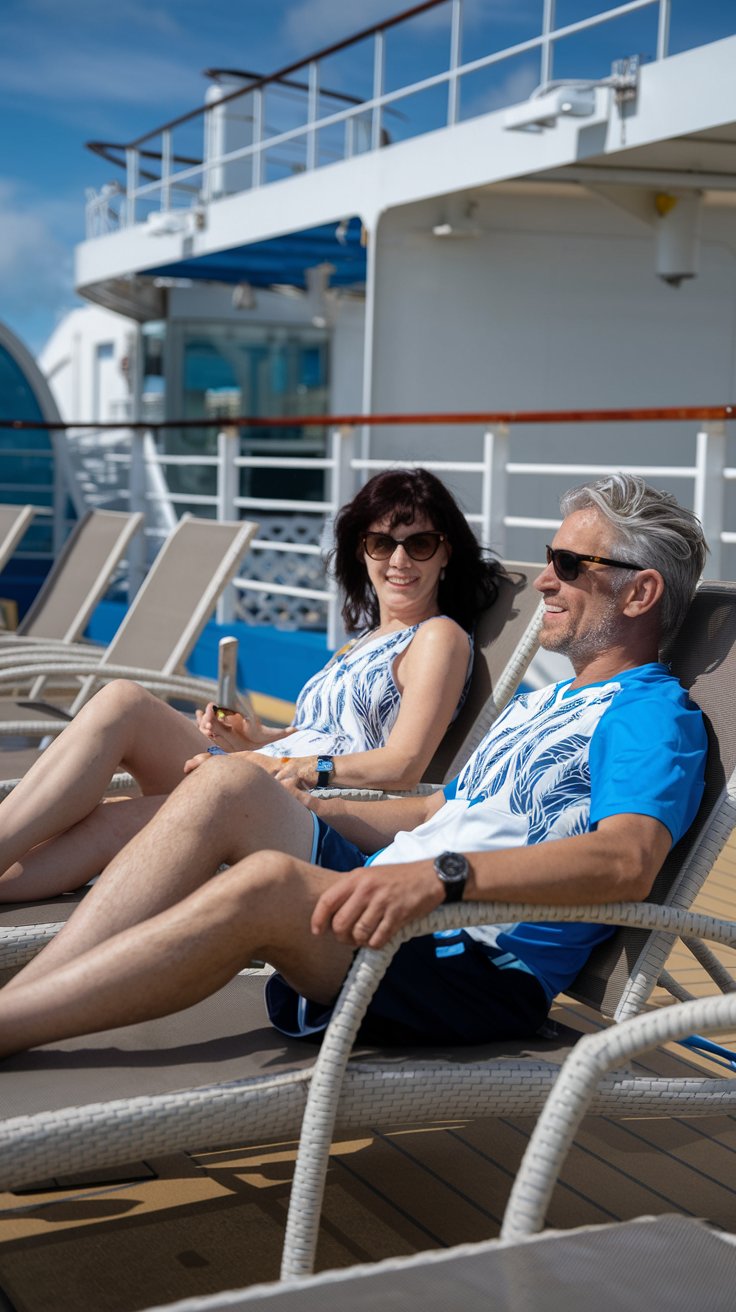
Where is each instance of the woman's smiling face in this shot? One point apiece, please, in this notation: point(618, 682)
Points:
point(406, 589)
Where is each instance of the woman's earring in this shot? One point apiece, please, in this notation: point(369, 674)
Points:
point(443, 572)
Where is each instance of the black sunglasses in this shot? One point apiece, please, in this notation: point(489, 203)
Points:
point(566, 564)
point(420, 546)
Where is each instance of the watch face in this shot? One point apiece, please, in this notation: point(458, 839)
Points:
point(452, 865)
point(325, 764)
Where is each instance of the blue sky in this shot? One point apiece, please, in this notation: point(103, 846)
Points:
point(75, 70)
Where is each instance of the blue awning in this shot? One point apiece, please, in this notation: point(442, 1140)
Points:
point(281, 259)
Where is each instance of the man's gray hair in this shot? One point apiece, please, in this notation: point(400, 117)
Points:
point(653, 530)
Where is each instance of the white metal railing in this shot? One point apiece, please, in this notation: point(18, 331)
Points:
point(495, 477)
point(183, 186)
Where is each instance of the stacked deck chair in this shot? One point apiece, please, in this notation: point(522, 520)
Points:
point(154, 640)
point(14, 521)
point(75, 583)
point(217, 1074)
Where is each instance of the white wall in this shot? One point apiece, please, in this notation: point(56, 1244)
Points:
point(88, 389)
point(554, 306)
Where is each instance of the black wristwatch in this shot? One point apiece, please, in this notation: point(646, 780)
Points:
point(325, 766)
point(453, 869)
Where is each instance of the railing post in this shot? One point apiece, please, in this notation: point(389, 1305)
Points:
point(708, 501)
point(257, 157)
point(495, 486)
point(663, 29)
point(166, 154)
point(379, 60)
point(228, 447)
point(137, 563)
point(342, 487)
point(547, 47)
point(456, 37)
point(132, 163)
point(312, 115)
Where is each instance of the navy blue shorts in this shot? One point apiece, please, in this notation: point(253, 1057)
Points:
point(439, 989)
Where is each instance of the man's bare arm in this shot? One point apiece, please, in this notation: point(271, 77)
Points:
point(617, 862)
point(372, 825)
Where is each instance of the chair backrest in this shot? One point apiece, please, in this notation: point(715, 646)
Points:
point(14, 521)
point(179, 593)
point(620, 974)
point(80, 575)
point(506, 638)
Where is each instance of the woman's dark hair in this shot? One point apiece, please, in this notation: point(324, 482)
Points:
point(400, 496)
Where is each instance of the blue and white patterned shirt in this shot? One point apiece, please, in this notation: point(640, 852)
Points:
point(555, 763)
point(351, 705)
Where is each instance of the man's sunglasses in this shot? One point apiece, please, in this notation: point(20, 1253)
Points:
point(566, 564)
point(420, 546)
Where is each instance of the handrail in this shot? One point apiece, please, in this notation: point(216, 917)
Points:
point(282, 73)
point(642, 414)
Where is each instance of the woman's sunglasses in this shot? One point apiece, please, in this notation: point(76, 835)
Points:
point(420, 546)
point(566, 564)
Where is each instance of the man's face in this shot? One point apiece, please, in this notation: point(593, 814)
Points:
point(583, 618)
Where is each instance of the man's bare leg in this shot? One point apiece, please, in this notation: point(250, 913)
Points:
point(223, 812)
point(261, 906)
point(123, 725)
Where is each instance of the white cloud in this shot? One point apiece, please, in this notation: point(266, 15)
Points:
point(36, 266)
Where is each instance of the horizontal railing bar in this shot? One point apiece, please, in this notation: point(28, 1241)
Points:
point(646, 471)
point(180, 460)
point(450, 466)
point(729, 473)
point(294, 548)
point(521, 521)
point(283, 462)
point(649, 414)
point(183, 498)
point(273, 503)
point(257, 585)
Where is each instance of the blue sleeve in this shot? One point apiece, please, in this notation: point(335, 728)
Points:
point(647, 757)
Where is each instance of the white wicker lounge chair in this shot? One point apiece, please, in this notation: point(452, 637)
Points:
point(252, 1083)
point(666, 1264)
point(159, 631)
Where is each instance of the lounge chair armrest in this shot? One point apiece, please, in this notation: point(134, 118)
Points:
point(592, 1056)
point(365, 975)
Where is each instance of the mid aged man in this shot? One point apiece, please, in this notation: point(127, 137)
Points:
point(574, 797)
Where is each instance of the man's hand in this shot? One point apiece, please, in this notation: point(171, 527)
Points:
point(366, 907)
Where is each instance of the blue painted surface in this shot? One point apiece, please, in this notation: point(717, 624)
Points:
point(270, 660)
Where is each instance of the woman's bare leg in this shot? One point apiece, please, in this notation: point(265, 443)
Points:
point(122, 726)
point(222, 813)
point(68, 861)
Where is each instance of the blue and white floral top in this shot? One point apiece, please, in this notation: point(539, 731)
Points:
point(351, 705)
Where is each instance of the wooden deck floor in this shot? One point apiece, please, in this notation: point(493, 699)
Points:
point(196, 1224)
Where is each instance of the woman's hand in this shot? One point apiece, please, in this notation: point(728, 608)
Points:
point(194, 762)
point(235, 733)
point(295, 771)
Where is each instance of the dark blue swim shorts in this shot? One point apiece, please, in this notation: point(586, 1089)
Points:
point(440, 988)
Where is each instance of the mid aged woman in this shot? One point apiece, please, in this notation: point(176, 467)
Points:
point(414, 580)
